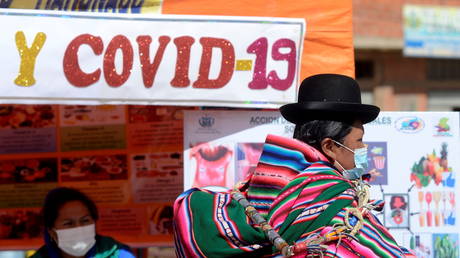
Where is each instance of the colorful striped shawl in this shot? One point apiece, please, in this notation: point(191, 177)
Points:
point(299, 193)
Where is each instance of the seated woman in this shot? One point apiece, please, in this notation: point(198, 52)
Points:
point(70, 228)
point(306, 196)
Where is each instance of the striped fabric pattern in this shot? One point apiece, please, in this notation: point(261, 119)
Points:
point(298, 192)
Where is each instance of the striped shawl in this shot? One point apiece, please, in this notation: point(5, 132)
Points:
point(298, 192)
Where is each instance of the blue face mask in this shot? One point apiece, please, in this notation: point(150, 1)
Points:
point(360, 156)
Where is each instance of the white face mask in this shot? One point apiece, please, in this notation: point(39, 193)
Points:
point(76, 241)
point(360, 157)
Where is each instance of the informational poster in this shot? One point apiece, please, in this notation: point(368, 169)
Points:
point(30, 128)
point(412, 159)
point(128, 159)
point(431, 31)
point(421, 188)
point(221, 147)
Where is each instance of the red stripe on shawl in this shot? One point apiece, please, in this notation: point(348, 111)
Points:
point(311, 154)
point(371, 228)
point(282, 172)
point(331, 169)
point(376, 224)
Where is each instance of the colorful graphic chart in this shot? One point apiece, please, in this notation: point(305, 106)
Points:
point(421, 244)
point(133, 180)
point(27, 128)
point(378, 162)
point(411, 157)
point(397, 211)
point(445, 245)
point(433, 168)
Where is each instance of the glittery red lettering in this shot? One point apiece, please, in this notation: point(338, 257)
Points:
point(149, 70)
point(111, 76)
point(226, 66)
point(183, 45)
point(72, 69)
point(259, 47)
point(273, 79)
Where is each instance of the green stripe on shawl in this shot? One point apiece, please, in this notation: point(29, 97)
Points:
point(209, 238)
point(291, 233)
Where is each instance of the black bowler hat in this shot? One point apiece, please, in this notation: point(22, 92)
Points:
point(329, 97)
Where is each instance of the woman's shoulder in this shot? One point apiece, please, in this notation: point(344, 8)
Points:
point(107, 244)
point(123, 253)
point(42, 252)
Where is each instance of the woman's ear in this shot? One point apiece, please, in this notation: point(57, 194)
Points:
point(328, 147)
point(53, 235)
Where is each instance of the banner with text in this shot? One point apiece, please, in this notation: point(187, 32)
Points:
point(112, 6)
point(329, 32)
point(68, 57)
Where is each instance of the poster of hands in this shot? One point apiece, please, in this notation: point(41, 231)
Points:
point(413, 161)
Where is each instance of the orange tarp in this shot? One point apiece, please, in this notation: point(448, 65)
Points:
point(328, 46)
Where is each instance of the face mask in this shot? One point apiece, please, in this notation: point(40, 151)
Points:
point(76, 241)
point(360, 156)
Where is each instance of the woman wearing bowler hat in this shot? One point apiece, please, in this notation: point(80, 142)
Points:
point(307, 195)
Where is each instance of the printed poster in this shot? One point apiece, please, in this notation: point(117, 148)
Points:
point(412, 157)
point(127, 159)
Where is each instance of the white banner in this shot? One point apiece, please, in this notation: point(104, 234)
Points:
point(68, 57)
point(413, 160)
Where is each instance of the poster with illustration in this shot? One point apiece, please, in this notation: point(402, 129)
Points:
point(412, 160)
point(247, 157)
point(84, 127)
point(20, 224)
point(222, 147)
point(27, 128)
point(377, 162)
point(155, 128)
point(422, 151)
point(433, 169)
point(211, 163)
point(91, 168)
point(436, 208)
point(421, 244)
point(445, 245)
point(133, 181)
point(156, 177)
point(24, 182)
point(27, 116)
point(160, 220)
point(396, 211)
point(83, 115)
point(28, 170)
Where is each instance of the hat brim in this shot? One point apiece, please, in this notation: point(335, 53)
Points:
point(298, 113)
